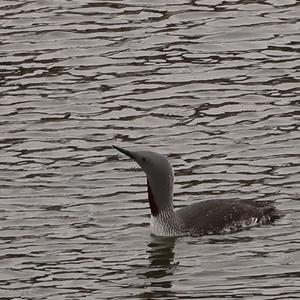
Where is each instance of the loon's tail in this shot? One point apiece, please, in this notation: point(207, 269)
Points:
point(269, 212)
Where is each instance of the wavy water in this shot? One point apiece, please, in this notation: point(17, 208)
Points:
point(214, 85)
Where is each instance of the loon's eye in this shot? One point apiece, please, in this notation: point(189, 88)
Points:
point(143, 159)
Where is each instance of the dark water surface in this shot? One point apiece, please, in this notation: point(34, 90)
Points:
point(214, 85)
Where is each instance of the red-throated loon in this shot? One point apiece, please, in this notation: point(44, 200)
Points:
point(198, 219)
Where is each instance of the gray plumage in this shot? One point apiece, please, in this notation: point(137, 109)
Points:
point(218, 216)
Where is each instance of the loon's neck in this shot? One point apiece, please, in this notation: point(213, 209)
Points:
point(163, 218)
point(160, 197)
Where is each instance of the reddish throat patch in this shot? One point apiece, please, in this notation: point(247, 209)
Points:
point(153, 206)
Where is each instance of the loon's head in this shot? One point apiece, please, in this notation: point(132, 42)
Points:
point(159, 178)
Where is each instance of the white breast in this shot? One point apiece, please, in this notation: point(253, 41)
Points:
point(166, 224)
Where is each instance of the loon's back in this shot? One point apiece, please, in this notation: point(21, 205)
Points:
point(218, 216)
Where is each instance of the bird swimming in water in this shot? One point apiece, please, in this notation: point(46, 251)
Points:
point(198, 219)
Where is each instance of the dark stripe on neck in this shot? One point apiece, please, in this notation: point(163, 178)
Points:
point(153, 206)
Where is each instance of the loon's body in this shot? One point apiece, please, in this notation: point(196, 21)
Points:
point(198, 219)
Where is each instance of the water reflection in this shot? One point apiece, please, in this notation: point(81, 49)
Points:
point(160, 269)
